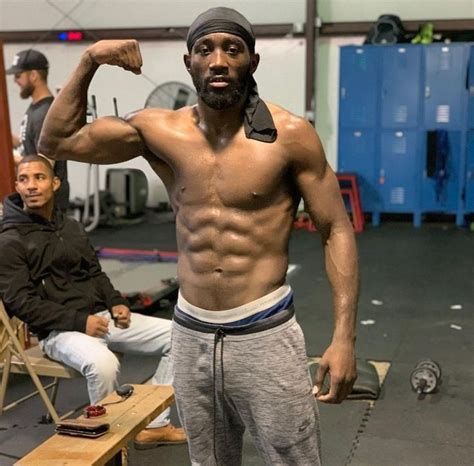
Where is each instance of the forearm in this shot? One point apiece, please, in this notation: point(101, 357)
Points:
point(68, 113)
point(17, 158)
point(342, 270)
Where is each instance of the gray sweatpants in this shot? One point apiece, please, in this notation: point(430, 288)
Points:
point(266, 389)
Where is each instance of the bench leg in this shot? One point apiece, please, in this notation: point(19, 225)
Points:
point(120, 459)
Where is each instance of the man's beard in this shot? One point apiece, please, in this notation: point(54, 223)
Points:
point(220, 99)
point(26, 91)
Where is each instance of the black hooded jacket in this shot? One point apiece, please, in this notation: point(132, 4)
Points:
point(50, 276)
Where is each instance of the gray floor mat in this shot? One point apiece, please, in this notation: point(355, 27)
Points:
point(132, 277)
point(377, 451)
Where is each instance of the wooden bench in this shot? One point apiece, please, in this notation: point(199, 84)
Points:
point(126, 420)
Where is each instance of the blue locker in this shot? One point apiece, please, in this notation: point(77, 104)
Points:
point(470, 86)
point(444, 196)
point(401, 86)
point(445, 84)
point(398, 171)
point(357, 155)
point(391, 99)
point(358, 87)
point(469, 192)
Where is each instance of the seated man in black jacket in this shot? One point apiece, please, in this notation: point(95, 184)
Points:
point(51, 279)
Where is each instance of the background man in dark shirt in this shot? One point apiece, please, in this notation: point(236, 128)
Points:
point(30, 69)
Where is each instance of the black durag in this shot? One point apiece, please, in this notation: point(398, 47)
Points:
point(258, 121)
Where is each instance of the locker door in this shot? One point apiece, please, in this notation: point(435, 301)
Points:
point(401, 84)
point(470, 85)
point(445, 86)
point(398, 174)
point(443, 197)
point(469, 195)
point(358, 84)
point(357, 155)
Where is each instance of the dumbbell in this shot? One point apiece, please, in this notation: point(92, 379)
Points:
point(426, 376)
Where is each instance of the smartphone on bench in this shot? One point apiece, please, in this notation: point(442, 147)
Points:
point(89, 428)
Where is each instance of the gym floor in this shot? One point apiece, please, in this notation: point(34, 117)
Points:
point(416, 302)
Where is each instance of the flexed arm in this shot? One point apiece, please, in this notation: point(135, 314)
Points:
point(66, 134)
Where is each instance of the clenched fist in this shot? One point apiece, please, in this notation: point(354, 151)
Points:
point(96, 326)
point(123, 53)
point(121, 315)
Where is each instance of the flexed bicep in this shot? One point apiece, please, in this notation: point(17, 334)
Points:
point(66, 135)
point(104, 141)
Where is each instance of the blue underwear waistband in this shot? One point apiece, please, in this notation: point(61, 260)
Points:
point(281, 305)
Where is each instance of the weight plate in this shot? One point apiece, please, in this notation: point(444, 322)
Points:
point(424, 379)
point(433, 365)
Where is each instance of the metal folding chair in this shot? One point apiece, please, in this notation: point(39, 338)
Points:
point(15, 359)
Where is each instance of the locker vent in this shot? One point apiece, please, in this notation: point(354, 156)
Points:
point(399, 145)
point(443, 113)
point(401, 114)
point(397, 196)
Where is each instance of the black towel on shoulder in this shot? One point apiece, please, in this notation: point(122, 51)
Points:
point(258, 121)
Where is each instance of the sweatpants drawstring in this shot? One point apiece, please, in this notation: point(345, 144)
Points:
point(218, 336)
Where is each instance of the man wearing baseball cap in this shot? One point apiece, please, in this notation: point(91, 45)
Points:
point(30, 70)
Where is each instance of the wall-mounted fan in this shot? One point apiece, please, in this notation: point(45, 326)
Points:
point(173, 95)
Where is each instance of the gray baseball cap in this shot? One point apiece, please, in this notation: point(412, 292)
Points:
point(27, 60)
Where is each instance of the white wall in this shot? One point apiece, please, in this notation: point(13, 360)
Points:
point(280, 77)
point(40, 14)
point(370, 10)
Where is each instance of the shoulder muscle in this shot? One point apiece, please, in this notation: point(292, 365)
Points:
point(300, 141)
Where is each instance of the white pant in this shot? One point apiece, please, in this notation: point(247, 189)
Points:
point(94, 359)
